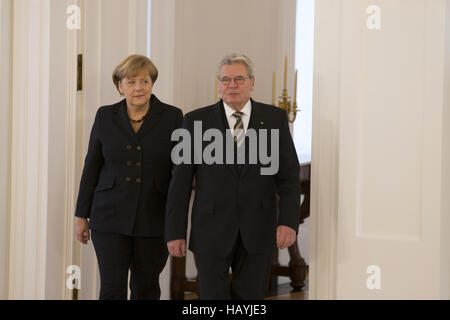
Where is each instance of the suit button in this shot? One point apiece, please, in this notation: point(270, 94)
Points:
point(128, 147)
point(138, 180)
point(129, 163)
point(139, 148)
point(138, 164)
point(128, 179)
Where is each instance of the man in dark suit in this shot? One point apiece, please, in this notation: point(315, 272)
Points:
point(234, 219)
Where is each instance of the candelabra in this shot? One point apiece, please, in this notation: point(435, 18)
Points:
point(284, 101)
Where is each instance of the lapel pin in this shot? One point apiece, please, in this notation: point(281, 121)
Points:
point(261, 123)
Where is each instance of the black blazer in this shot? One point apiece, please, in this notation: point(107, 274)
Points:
point(227, 202)
point(126, 175)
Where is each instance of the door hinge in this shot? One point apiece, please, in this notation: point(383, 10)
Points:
point(80, 72)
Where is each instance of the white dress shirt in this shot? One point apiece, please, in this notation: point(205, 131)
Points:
point(247, 110)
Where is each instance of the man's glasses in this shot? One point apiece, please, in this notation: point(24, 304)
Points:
point(238, 80)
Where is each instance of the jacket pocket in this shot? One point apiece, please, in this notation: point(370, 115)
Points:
point(105, 183)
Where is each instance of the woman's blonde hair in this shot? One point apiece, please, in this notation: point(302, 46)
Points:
point(131, 66)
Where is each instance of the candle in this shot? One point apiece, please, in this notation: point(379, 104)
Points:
point(285, 71)
point(295, 86)
point(273, 89)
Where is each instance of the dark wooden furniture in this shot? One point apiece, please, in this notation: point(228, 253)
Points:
point(179, 284)
point(296, 270)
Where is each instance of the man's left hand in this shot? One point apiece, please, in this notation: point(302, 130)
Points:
point(285, 237)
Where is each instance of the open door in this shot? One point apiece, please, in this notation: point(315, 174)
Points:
point(380, 152)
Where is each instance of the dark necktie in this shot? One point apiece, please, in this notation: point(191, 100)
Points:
point(239, 136)
point(239, 133)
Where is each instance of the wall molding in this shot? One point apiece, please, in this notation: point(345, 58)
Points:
point(5, 140)
point(29, 169)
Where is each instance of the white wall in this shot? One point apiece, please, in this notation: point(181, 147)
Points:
point(190, 37)
point(5, 139)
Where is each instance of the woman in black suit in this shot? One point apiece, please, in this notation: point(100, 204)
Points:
point(124, 184)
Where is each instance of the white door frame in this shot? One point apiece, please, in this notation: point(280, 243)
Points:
point(325, 151)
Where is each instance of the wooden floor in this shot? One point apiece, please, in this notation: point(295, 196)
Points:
point(284, 292)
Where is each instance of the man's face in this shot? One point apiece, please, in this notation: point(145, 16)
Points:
point(234, 94)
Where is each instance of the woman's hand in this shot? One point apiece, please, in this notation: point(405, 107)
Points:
point(82, 230)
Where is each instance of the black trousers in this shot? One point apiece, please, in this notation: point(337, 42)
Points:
point(117, 254)
point(249, 279)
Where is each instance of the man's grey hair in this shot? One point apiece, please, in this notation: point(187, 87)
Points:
point(237, 58)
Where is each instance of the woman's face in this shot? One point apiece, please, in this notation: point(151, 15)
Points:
point(138, 89)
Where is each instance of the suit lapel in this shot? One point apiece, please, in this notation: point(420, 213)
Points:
point(153, 117)
point(218, 118)
point(255, 116)
point(123, 122)
point(255, 123)
point(220, 122)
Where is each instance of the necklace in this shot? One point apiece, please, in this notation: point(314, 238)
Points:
point(138, 121)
